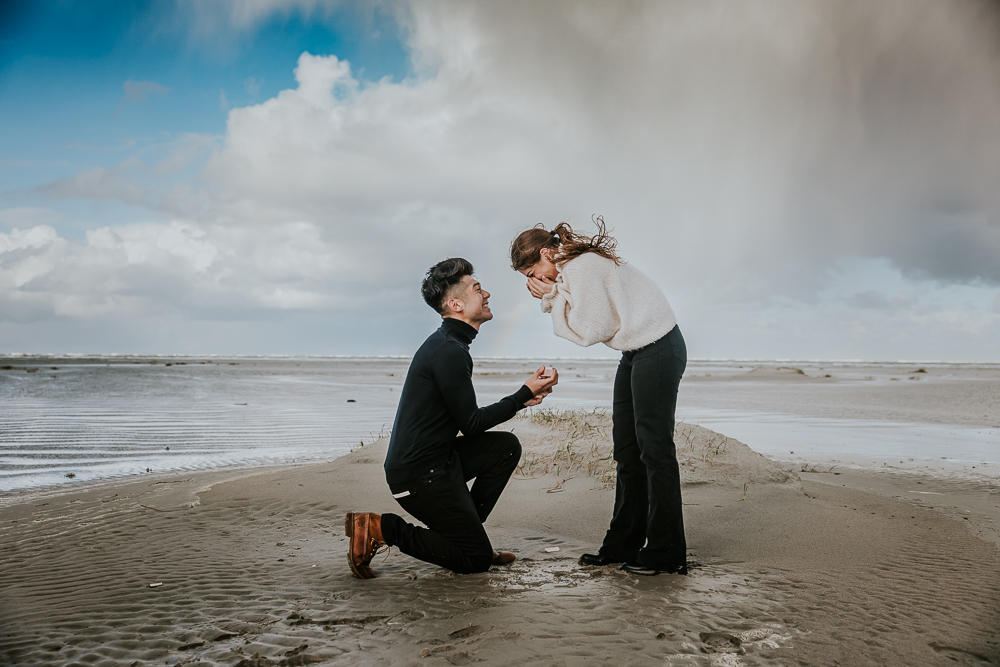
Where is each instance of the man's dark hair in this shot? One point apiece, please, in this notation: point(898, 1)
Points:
point(441, 278)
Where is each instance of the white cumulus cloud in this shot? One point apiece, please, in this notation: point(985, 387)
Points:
point(745, 154)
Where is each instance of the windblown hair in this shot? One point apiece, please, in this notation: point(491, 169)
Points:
point(441, 278)
point(565, 244)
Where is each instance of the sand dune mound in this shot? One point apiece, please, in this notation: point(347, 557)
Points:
point(578, 440)
point(707, 457)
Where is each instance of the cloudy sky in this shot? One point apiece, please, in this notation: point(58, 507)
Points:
point(812, 180)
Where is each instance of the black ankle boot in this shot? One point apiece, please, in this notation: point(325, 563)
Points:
point(646, 571)
point(596, 559)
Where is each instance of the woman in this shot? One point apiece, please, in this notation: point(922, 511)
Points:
point(595, 297)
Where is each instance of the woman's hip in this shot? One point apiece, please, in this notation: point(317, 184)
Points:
point(668, 354)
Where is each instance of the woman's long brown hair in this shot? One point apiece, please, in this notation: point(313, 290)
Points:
point(565, 244)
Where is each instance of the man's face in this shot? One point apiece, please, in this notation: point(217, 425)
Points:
point(474, 302)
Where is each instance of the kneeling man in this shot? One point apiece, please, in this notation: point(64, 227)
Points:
point(429, 465)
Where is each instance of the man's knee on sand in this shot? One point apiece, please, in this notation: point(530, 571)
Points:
point(480, 561)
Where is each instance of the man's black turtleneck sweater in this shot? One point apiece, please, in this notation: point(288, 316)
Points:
point(438, 401)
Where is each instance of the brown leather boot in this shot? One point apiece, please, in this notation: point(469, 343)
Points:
point(503, 557)
point(365, 532)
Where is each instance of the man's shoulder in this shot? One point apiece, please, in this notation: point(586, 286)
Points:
point(440, 345)
point(453, 350)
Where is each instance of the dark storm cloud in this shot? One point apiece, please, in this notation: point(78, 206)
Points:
point(833, 128)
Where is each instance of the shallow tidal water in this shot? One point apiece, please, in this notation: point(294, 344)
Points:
point(65, 420)
point(99, 418)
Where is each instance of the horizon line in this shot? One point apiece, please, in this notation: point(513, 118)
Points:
point(128, 355)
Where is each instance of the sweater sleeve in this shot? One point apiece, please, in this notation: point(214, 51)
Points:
point(582, 310)
point(453, 375)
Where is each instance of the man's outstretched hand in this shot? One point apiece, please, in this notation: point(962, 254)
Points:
point(537, 399)
point(541, 384)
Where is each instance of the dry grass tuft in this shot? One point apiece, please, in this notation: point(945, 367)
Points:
point(373, 437)
point(584, 444)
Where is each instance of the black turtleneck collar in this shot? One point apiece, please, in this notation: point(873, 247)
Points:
point(463, 331)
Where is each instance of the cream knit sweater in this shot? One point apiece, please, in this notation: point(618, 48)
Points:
point(594, 301)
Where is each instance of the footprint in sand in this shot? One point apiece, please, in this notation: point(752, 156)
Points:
point(721, 642)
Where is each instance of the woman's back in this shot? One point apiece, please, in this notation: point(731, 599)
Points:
point(596, 300)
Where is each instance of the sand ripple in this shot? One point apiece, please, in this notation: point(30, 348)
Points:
point(266, 585)
point(261, 580)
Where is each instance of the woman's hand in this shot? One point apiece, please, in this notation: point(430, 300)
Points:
point(539, 287)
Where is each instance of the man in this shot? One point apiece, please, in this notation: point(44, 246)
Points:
point(428, 464)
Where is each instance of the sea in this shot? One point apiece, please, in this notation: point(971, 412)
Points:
point(75, 419)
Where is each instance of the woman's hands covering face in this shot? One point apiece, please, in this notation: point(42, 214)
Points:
point(539, 287)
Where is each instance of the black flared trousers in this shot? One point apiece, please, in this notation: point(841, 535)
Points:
point(453, 513)
point(648, 525)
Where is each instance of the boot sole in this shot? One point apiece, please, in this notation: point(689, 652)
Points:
point(349, 532)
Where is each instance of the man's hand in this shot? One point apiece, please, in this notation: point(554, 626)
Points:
point(539, 287)
point(542, 381)
point(537, 399)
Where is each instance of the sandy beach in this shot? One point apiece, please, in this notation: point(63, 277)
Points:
point(246, 243)
point(248, 568)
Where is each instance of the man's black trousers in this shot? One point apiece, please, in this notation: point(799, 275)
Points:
point(454, 514)
point(648, 526)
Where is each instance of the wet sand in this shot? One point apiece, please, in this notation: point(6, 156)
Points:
point(930, 393)
point(816, 569)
